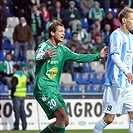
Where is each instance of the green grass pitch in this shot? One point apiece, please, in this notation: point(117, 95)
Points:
point(69, 131)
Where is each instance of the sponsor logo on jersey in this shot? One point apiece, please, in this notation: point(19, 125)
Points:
point(52, 62)
point(52, 72)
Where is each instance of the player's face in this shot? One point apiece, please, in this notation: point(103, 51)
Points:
point(129, 22)
point(59, 34)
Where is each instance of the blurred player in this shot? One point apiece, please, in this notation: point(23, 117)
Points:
point(50, 58)
point(118, 93)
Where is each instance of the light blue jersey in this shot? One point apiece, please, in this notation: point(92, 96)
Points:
point(122, 44)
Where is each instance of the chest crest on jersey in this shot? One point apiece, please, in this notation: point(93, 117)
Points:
point(52, 72)
point(128, 57)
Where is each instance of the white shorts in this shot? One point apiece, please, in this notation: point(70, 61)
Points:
point(117, 100)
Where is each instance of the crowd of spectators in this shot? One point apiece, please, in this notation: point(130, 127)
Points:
point(101, 17)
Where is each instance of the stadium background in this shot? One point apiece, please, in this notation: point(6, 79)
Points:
point(82, 91)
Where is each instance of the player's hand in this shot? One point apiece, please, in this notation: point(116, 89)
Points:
point(104, 52)
point(130, 77)
point(50, 53)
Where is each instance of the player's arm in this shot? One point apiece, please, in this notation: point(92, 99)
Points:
point(69, 55)
point(118, 62)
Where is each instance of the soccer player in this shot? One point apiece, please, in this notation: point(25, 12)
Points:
point(118, 93)
point(50, 58)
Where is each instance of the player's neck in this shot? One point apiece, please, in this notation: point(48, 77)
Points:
point(123, 29)
point(53, 42)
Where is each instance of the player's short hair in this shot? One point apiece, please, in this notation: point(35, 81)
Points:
point(124, 13)
point(53, 25)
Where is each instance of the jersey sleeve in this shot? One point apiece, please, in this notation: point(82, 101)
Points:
point(70, 55)
point(41, 51)
point(115, 43)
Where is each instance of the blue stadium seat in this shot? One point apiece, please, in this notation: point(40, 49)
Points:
point(9, 0)
point(94, 78)
point(6, 44)
point(80, 78)
point(101, 88)
point(20, 57)
point(1, 78)
point(85, 23)
point(77, 3)
point(63, 89)
point(92, 91)
point(87, 67)
point(103, 78)
point(113, 10)
point(90, 88)
point(75, 89)
point(29, 91)
point(68, 34)
point(4, 93)
point(2, 55)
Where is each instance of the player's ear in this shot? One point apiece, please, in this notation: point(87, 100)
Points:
point(52, 33)
point(124, 20)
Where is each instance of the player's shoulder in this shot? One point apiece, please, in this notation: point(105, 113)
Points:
point(62, 46)
point(116, 33)
point(43, 44)
point(131, 34)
